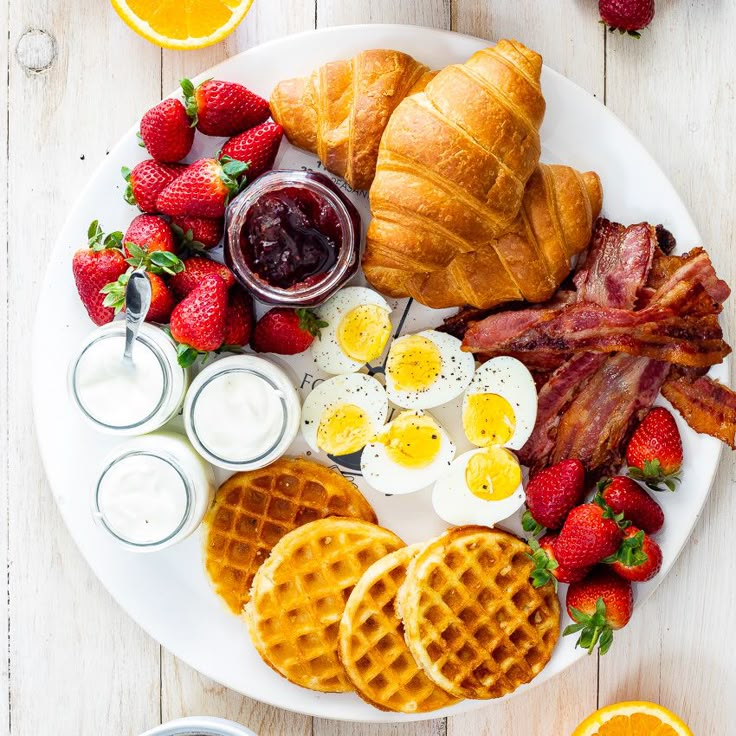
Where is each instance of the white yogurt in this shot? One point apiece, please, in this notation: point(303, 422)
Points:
point(115, 393)
point(153, 491)
point(120, 399)
point(241, 412)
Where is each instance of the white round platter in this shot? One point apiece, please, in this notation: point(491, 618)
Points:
point(168, 593)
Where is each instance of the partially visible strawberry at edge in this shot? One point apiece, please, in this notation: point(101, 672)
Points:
point(102, 262)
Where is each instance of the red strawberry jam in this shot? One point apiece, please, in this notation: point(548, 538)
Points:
point(292, 238)
point(291, 235)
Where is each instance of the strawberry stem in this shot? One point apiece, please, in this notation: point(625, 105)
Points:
point(530, 524)
point(594, 629)
point(544, 565)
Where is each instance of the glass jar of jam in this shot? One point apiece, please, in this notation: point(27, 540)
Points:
point(292, 238)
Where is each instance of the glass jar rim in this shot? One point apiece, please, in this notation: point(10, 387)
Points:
point(188, 490)
point(155, 349)
point(318, 183)
point(206, 381)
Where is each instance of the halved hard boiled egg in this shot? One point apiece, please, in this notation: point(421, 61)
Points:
point(409, 454)
point(358, 328)
point(342, 414)
point(481, 486)
point(427, 369)
point(500, 404)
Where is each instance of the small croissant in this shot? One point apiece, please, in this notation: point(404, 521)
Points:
point(340, 111)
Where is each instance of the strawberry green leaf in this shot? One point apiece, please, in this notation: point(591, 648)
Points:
point(630, 553)
point(140, 139)
point(592, 628)
point(185, 240)
point(310, 322)
point(190, 101)
point(185, 355)
point(654, 476)
point(608, 512)
point(163, 261)
point(530, 524)
point(542, 574)
point(128, 195)
point(115, 293)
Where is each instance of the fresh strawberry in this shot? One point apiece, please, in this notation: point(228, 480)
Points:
point(654, 453)
point(626, 497)
point(167, 132)
point(591, 532)
point(546, 566)
point(203, 190)
point(286, 331)
point(223, 108)
point(256, 147)
point(147, 180)
point(149, 232)
point(102, 262)
point(162, 300)
point(197, 233)
point(198, 321)
point(239, 318)
point(627, 16)
point(599, 605)
point(552, 493)
point(638, 559)
point(195, 270)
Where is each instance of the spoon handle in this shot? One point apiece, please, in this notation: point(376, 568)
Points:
point(137, 303)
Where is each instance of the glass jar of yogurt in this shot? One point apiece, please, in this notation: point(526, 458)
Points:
point(118, 399)
point(241, 412)
point(153, 491)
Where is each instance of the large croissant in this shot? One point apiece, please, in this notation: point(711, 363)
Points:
point(448, 225)
point(341, 110)
point(428, 262)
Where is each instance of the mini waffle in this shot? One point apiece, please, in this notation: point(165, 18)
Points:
point(372, 647)
point(299, 594)
point(472, 619)
point(253, 510)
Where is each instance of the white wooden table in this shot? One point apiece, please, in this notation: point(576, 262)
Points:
point(75, 664)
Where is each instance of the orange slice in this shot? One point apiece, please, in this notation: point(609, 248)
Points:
point(182, 24)
point(633, 719)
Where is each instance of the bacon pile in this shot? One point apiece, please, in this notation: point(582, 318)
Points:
point(639, 321)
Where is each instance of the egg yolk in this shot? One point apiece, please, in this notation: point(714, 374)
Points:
point(412, 440)
point(343, 429)
point(488, 419)
point(414, 363)
point(363, 332)
point(493, 474)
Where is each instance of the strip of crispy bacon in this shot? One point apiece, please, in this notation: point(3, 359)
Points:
point(678, 327)
point(598, 422)
point(706, 405)
point(613, 274)
point(667, 271)
point(617, 264)
point(554, 397)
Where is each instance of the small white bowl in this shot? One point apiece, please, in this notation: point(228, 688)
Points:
point(200, 726)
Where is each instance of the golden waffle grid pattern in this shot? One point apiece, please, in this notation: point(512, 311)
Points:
point(254, 510)
point(372, 647)
point(472, 619)
point(299, 595)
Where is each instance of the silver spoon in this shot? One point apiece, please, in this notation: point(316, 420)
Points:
point(137, 302)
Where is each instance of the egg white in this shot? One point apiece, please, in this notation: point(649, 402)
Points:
point(353, 388)
point(511, 379)
point(457, 372)
point(454, 502)
point(326, 349)
point(386, 476)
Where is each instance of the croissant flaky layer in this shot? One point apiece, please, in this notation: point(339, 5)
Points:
point(431, 262)
point(340, 111)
